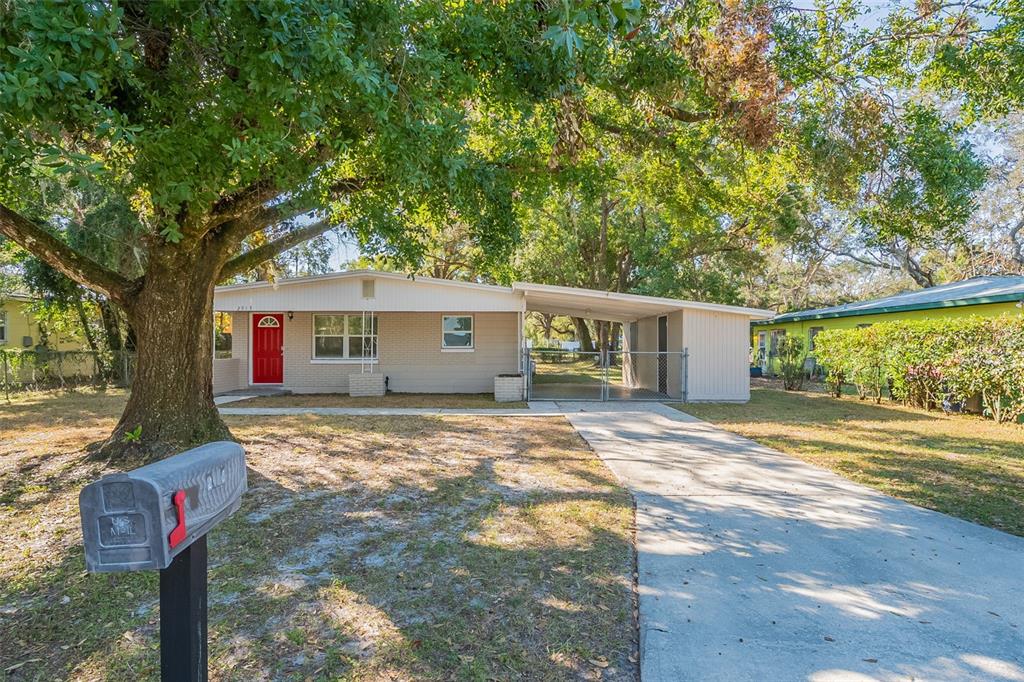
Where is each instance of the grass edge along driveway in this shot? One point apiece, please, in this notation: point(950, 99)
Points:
point(962, 465)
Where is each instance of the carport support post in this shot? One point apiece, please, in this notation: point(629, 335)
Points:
point(183, 616)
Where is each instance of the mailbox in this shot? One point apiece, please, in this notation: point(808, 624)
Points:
point(144, 518)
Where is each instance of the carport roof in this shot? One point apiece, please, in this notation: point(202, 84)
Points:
point(612, 306)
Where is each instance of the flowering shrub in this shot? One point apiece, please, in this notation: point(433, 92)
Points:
point(924, 363)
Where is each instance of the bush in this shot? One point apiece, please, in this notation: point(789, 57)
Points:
point(791, 362)
point(925, 363)
point(992, 367)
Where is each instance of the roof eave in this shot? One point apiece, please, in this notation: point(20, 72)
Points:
point(934, 305)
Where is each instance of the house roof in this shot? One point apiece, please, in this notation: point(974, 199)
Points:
point(349, 274)
point(544, 298)
point(974, 291)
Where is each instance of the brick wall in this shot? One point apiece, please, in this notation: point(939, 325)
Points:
point(226, 375)
point(410, 355)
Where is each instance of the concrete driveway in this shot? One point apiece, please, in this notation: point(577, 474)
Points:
point(756, 566)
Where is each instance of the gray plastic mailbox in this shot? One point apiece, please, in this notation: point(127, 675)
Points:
point(144, 518)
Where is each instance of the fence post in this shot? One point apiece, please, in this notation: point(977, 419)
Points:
point(605, 389)
point(685, 378)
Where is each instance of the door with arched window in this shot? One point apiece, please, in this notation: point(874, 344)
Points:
point(267, 348)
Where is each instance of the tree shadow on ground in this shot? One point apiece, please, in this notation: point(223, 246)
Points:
point(369, 548)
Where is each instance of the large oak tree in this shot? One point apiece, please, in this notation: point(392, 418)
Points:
point(220, 121)
point(237, 130)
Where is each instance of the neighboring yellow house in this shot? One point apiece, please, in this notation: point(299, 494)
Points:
point(987, 296)
point(19, 330)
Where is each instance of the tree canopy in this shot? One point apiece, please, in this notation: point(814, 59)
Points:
point(665, 148)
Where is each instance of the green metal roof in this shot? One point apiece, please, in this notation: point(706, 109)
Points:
point(974, 291)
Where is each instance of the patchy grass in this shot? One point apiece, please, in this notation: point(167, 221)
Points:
point(441, 400)
point(580, 370)
point(366, 549)
point(958, 464)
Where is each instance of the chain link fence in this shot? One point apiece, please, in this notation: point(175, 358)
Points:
point(612, 375)
point(41, 369)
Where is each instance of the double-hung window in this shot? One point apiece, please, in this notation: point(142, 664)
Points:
point(344, 337)
point(457, 332)
point(3, 326)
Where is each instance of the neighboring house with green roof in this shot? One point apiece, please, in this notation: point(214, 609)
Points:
point(988, 296)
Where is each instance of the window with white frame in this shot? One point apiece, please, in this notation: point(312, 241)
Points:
point(345, 337)
point(3, 326)
point(457, 332)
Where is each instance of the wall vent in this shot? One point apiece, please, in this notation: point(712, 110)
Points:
point(368, 288)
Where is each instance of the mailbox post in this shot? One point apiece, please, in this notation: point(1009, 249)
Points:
point(157, 517)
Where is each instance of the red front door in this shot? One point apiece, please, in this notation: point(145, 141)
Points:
point(267, 349)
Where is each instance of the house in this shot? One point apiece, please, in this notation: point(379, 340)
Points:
point(986, 296)
point(18, 329)
point(30, 353)
point(364, 332)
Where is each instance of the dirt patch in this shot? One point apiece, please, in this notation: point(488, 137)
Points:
point(367, 548)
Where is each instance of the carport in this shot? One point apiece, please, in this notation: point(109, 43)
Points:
point(671, 349)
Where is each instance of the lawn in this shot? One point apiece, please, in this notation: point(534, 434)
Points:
point(958, 464)
point(366, 548)
point(573, 369)
point(439, 400)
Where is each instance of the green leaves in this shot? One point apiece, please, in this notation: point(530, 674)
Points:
point(930, 362)
point(598, 20)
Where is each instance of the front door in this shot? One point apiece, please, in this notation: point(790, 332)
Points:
point(268, 349)
point(663, 355)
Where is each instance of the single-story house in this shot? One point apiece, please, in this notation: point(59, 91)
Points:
point(20, 330)
point(17, 327)
point(985, 296)
point(365, 331)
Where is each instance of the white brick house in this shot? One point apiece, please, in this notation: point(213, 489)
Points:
point(426, 335)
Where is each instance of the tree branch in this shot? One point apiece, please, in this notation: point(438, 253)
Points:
point(257, 215)
point(62, 257)
point(253, 257)
point(243, 202)
point(684, 116)
point(1015, 245)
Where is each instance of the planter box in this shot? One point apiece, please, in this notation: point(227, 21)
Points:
point(508, 388)
point(365, 385)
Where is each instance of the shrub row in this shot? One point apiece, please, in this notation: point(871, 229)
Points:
point(931, 362)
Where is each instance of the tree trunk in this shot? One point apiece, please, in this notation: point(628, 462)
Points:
point(111, 325)
point(171, 403)
point(90, 340)
point(583, 334)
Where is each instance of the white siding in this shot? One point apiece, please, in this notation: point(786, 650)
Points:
point(719, 354)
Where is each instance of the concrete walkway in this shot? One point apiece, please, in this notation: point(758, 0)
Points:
point(756, 566)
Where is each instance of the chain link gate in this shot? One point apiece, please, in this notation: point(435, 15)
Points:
point(554, 374)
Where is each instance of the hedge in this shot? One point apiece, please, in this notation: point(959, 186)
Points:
point(931, 362)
